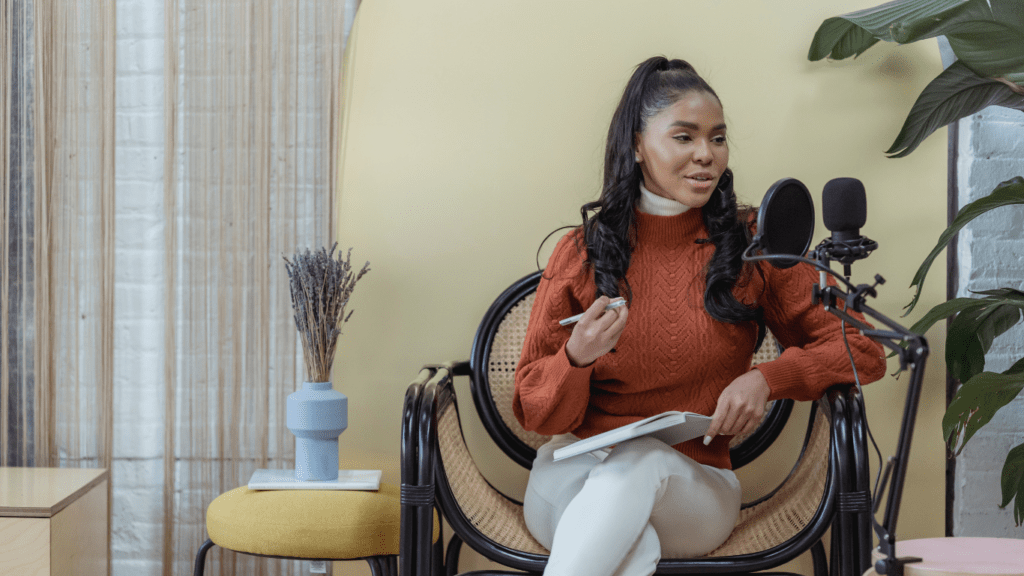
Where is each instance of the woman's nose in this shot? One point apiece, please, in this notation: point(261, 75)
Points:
point(702, 152)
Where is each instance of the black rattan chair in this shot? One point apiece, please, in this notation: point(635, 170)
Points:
point(827, 487)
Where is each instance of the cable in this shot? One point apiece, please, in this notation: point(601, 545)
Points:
point(749, 257)
point(856, 380)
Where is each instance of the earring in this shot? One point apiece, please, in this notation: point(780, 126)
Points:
point(637, 159)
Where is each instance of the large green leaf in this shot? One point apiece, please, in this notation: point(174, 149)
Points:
point(1006, 194)
point(1008, 294)
point(986, 37)
point(1000, 52)
point(957, 305)
point(955, 93)
point(975, 403)
point(971, 334)
point(901, 21)
point(991, 42)
point(945, 310)
point(1009, 11)
point(1013, 482)
point(989, 48)
point(840, 39)
point(1017, 367)
point(996, 322)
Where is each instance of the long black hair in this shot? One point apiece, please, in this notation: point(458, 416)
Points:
point(609, 223)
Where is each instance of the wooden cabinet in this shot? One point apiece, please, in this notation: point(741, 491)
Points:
point(54, 522)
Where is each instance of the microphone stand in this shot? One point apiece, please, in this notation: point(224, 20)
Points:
point(912, 351)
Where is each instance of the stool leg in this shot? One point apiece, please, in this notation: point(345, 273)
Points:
point(201, 558)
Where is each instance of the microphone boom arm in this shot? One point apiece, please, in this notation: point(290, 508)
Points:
point(912, 350)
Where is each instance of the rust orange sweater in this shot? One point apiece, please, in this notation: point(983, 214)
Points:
point(672, 355)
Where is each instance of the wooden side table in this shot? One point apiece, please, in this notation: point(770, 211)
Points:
point(960, 557)
point(54, 522)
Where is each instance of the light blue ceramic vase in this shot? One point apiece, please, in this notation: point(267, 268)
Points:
point(317, 415)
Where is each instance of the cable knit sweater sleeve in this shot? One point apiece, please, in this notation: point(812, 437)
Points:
point(815, 356)
point(551, 395)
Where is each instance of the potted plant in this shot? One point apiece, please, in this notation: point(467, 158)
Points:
point(320, 286)
point(987, 37)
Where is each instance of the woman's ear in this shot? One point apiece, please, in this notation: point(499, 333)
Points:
point(638, 149)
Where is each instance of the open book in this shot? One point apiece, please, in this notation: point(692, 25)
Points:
point(670, 427)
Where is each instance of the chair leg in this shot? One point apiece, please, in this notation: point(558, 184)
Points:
point(818, 559)
point(451, 560)
point(438, 558)
point(201, 558)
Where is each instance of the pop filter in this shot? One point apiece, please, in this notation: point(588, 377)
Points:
point(785, 221)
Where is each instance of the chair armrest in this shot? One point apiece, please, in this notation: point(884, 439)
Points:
point(852, 526)
point(415, 496)
point(483, 517)
point(419, 452)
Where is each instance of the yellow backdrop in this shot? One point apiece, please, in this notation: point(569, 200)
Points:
point(472, 129)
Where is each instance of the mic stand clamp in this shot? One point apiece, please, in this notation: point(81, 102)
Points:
point(890, 565)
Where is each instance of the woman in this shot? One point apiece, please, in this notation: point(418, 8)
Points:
point(666, 234)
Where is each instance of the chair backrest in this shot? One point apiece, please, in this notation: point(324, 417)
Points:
point(496, 349)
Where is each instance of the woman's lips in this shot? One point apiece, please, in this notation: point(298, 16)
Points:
point(701, 184)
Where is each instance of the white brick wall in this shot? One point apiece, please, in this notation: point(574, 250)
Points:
point(136, 524)
point(990, 254)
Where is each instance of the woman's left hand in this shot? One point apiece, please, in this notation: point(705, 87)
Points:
point(740, 406)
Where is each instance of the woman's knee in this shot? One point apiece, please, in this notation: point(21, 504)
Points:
point(635, 463)
point(642, 451)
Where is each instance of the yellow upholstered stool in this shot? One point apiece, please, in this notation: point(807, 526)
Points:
point(309, 524)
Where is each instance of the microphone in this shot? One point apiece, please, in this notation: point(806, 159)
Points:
point(844, 207)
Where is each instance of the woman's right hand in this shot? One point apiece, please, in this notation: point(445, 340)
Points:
point(596, 333)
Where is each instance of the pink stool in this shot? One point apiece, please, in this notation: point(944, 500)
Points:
point(960, 557)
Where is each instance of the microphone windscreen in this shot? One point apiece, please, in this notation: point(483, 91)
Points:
point(789, 220)
point(785, 221)
point(844, 204)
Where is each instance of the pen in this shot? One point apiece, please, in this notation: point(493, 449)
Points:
point(573, 319)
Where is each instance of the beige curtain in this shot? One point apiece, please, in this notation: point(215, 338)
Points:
point(253, 99)
point(252, 95)
point(57, 207)
point(57, 181)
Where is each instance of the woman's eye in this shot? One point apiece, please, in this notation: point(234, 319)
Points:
point(683, 137)
point(719, 139)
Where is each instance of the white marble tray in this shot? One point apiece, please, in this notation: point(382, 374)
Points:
point(277, 479)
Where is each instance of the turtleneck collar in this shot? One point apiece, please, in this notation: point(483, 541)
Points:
point(651, 203)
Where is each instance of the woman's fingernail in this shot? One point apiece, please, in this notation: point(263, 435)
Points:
point(707, 440)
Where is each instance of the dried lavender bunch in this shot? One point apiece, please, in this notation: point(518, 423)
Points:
point(320, 286)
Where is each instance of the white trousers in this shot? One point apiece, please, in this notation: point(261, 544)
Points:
point(617, 512)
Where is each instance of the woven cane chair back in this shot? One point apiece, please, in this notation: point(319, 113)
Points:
point(496, 351)
point(506, 347)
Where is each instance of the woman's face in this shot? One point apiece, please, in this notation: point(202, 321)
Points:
point(683, 151)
